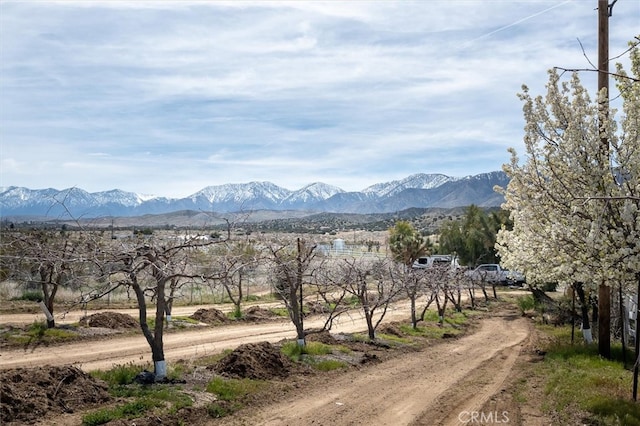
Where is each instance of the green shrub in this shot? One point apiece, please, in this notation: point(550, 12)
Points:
point(32, 296)
point(37, 329)
point(99, 417)
point(294, 351)
point(129, 410)
point(526, 303)
point(121, 374)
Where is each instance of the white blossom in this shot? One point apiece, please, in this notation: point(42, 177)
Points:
point(575, 204)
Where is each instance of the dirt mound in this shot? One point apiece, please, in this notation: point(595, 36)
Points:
point(210, 316)
point(260, 361)
point(109, 320)
point(391, 329)
point(256, 313)
point(28, 394)
point(322, 337)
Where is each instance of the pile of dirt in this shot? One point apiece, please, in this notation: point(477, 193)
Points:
point(29, 394)
point(392, 329)
point(322, 337)
point(256, 313)
point(109, 320)
point(259, 361)
point(210, 316)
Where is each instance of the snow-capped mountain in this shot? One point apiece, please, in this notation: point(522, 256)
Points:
point(419, 190)
point(417, 181)
point(118, 196)
point(312, 193)
point(240, 196)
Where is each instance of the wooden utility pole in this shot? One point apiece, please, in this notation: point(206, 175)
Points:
point(637, 342)
point(604, 292)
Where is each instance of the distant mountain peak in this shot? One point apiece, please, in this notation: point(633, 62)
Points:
point(418, 181)
point(419, 190)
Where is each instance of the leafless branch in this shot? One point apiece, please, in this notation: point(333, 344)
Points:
point(633, 46)
point(585, 54)
point(636, 80)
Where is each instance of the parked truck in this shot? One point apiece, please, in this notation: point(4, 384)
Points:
point(493, 273)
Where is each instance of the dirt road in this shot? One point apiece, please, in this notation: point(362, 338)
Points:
point(447, 384)
point(103, 354)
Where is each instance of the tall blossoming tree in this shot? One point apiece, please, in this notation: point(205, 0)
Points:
point(575, 205)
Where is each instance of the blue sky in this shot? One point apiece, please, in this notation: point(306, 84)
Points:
point(166, 98)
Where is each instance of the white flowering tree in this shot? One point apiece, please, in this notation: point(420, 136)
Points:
point(575, 202)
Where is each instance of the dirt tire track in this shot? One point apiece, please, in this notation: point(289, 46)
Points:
point(187, 344)
point(423, 388)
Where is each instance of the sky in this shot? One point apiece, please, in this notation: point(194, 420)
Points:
point(169, 97)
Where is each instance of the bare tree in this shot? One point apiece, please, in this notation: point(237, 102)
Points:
point(438, 278)
point(230, 266)
point(457, 284)
point(414, 284)
point(292, 267)
point(154, 270)
point(48, 259)
point(368, 280)
point(329, 293)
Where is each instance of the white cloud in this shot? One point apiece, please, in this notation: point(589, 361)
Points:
point(167, 97)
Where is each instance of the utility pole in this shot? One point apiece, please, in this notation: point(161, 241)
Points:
point(604, 291)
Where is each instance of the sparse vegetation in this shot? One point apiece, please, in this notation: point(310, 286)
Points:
point(32, 296)
point(139, 399)
point(526, 303)
point(36, 333)
point(121, 374)
point(579, 382)
point(230, 394)
point(295, 351)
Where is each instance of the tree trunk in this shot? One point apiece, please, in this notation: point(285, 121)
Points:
point(604, 321)
point(441, 308)
point(49, 296)
point(414, 319)
point(455, 296)
point(622, 325)
point(50, 321)
point(484, 291)
point(584, 308)
point(573, 310)
point(472, 297)
point(299, 271)
point(157, 349)
point(154, 341)
point(368, 315)
point(637, 341)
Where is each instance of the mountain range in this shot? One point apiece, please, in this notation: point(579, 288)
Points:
point(418, 190)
